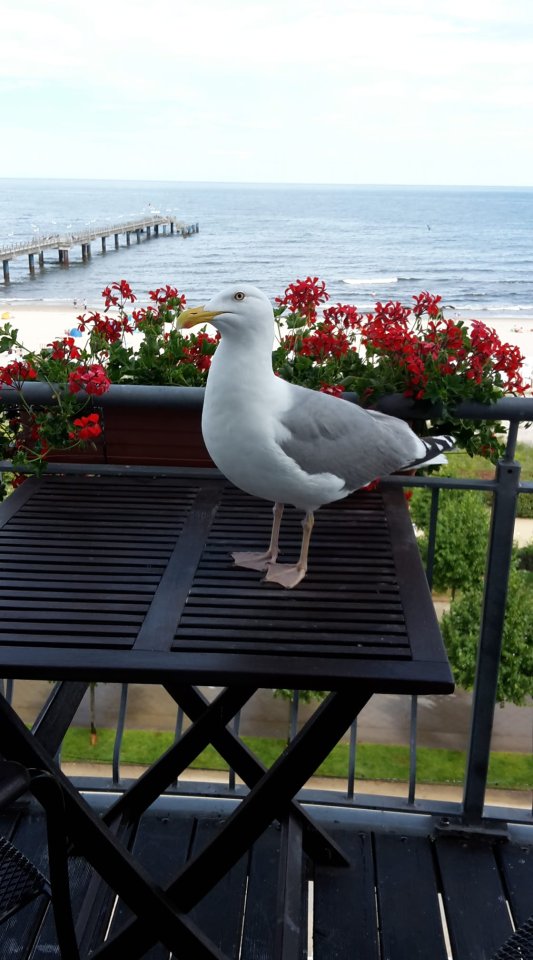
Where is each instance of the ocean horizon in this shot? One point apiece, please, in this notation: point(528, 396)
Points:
point(471, 245)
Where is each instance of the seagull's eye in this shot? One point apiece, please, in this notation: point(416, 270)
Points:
point(239, 295)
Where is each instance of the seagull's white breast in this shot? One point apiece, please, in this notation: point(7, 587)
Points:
point(242, 430)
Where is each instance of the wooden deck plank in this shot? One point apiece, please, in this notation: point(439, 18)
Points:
point(219, 914)
point(80, 873)
point(345, 903)
point(162, 844)
point(407, 898)
point(258, 930)
point(347, 922)
point(474, 898)
point(516, 864)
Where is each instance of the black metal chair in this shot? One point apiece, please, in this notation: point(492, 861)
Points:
point(20, 881)
point(519, 946)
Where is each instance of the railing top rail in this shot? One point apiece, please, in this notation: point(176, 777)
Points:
point(511, 409)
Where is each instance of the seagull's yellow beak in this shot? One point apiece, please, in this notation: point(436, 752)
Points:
point(195, 315)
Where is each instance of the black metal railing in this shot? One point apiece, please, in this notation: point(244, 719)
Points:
point(504, 489)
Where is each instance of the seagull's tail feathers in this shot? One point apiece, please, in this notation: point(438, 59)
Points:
point(434, 453)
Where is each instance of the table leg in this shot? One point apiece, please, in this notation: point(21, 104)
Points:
point(267, 801)
point(152, 783)
point(109, 858)
point(317, 842)
point(288, 940)
point(56, 715)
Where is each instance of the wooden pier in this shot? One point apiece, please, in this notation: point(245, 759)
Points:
point(63, 243)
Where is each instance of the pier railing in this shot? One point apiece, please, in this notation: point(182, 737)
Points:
point(64, 242)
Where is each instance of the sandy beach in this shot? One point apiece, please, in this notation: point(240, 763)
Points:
point(39, 324)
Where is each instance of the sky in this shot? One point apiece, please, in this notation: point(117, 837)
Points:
point(290, 91)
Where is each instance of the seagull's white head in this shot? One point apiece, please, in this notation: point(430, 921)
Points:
point(238, 309)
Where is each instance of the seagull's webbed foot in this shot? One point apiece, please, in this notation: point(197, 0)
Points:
point(253, 561)
point(261, 561)
point(289, 575)
point(286, 574)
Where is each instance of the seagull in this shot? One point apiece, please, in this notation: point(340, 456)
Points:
point(283, 442)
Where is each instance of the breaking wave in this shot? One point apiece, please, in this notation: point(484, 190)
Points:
point(367, 281)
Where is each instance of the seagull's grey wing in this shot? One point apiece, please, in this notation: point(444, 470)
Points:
point(330, 435)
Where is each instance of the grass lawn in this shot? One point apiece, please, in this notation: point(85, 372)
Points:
point(511, 771)
point(461, 465)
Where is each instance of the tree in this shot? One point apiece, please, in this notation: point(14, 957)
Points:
point(462, 536)
point(460, 629)
point(295, 697)
point(92, 712)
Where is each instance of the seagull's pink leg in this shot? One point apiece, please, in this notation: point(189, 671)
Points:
point(261, 561)
point(289, 575)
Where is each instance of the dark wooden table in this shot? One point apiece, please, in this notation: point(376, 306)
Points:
point(131, 579)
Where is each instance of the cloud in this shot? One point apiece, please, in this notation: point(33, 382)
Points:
point(260, 86)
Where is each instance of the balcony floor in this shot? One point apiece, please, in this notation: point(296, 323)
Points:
point(387, 905)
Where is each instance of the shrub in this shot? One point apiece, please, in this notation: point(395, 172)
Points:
point(524, 557)
point(460, 628)
point(462, 531)
point(524, 507)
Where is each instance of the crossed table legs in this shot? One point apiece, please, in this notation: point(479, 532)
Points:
point(162, 915)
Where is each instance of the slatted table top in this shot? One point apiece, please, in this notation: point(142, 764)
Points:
point(131, 578)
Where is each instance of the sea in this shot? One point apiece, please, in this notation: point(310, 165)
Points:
point(472, 246)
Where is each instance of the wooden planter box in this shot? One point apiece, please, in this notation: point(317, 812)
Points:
point(154, 436)
point(155, 426)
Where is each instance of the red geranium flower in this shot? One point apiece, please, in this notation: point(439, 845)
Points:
point(111, 329)
point(16, 372)
point(92, 379)
point(123, 291)
point(164, 294)
point(87, 428)
point(334, 389)
point(304, 296)
point(65, 349)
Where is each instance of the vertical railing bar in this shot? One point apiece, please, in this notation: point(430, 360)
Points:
point(512, 438)
point(121, 723)
point(432, 534)
point(235, 725)
point(178, 730)
point(352, 754)
point(490, 642)
point(293, 718)
point(413, 729)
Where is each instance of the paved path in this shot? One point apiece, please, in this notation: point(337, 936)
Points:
point(389, 788)
point(443, 721)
